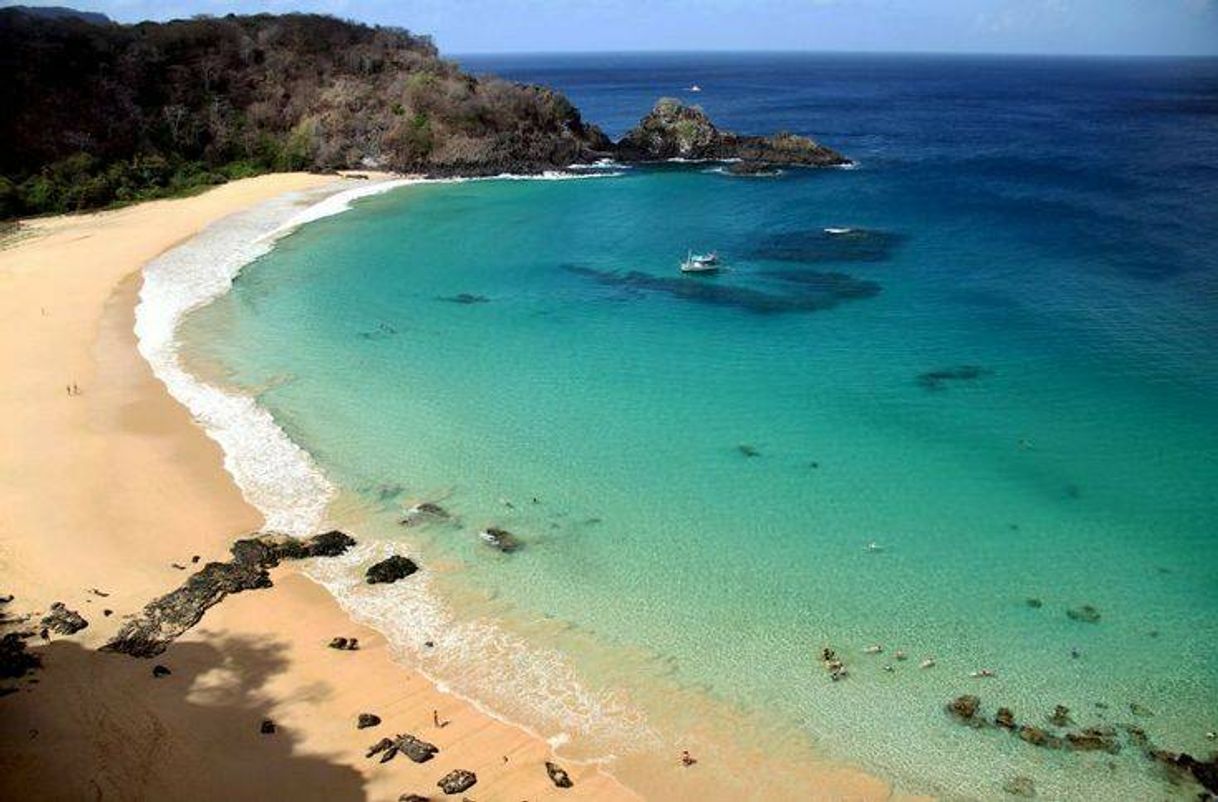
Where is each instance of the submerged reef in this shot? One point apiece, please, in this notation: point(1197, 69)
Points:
point(966, 710)
point(465, 299)
point(935, 379)
point(811, 292)
point(816, 245)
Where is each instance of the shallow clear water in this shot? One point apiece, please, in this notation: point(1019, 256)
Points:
point(709, 457)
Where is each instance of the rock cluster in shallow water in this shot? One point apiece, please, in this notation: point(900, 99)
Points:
point(966, 709)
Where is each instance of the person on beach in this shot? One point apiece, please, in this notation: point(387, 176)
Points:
point(687, 759)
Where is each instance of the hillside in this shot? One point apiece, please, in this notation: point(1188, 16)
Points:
point(103, 113)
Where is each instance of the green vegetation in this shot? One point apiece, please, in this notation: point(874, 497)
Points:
point(97, 114)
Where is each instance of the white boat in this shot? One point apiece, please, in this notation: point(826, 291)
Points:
point(837, 232)
point(700, 262)
point(695, 88)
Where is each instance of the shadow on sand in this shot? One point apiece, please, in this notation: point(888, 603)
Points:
point(96, 726)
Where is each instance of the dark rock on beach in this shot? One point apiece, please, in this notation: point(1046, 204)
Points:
point(15, 660)
point(344, 644)
point(380, 746)
point(1086, 614)
point(935, 379)
point(62, 620)
point(267, 727)
point(391, 570)
point(1005, 718)
point(413, 798)
point(558, 776)
point(367, 720)
point(673, 130)
point(159, 671)
point(164, 619)
point(500, 539)
point(417, 750)
point(457, 781)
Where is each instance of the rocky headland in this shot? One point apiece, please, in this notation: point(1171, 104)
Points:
point(98, 113)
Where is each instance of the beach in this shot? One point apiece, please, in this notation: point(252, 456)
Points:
point(113, 495)
point(104, 491)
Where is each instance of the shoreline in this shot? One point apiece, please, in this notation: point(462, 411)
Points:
point(414, 601)
point(297, 617)
point(72, 524)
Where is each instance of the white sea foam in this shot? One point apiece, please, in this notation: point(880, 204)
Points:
point(499, 672)
point(275, 475)
point(599, 164)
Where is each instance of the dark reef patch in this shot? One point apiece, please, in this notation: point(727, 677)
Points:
point(812, 292)
point(816, 245)
point(381, 331)
point(935, 379)
point(465, 298)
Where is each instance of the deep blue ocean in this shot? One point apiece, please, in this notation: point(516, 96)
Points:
point(982, 428)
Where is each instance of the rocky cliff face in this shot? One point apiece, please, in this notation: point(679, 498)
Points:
point(673, 130)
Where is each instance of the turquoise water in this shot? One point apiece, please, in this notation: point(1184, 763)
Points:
point(697, 465)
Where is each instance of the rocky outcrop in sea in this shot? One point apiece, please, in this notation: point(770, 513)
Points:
point(673, 130)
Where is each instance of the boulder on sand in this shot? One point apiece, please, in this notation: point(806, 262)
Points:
point(558, 776)
point(62, 620)
point(165, 618)
point(457, 781)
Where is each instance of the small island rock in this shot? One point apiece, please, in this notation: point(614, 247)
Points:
point(673, 130)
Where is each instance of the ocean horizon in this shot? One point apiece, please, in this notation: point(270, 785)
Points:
point(956, 403)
